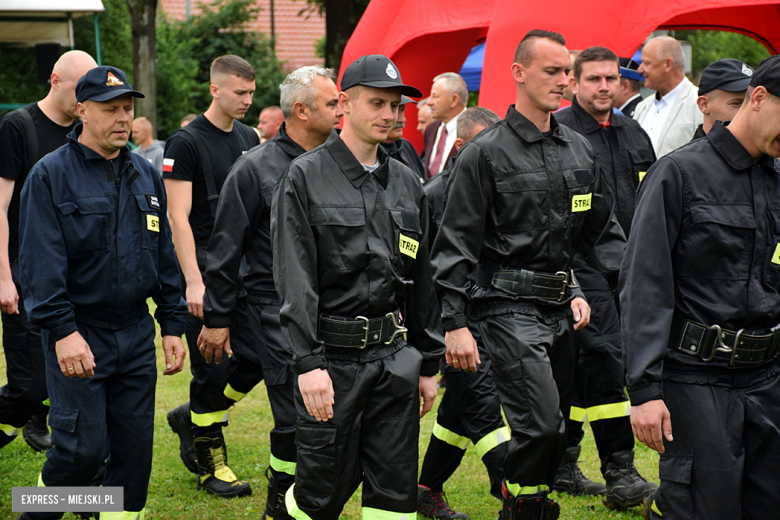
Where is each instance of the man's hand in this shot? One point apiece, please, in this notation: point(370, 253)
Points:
point(9, 299)
point(427, 394)
point(195, 291)
point(317, 391)
point(174, 354)
point(75, 357)
point(581, 311)
point(651, 424)
point(462, 350)
point(213, 342)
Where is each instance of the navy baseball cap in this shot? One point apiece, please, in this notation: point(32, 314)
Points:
point(376, 71)
point(103, 84)
point(727, 74)
point(630, 69)
point(768, 75)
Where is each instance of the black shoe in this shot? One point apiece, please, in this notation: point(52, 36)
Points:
point(570, 479)
point(625, 486)
point(7, 439)
point(214, 475)
point(528, 507)
point(434, 505)
point(180, 422)
point(36, 431)
point(23, 516)
point(274, 504)
point(647, 507)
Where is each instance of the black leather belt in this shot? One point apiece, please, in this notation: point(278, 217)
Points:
point(710, 343)
point(360, 332)
point(520, 282)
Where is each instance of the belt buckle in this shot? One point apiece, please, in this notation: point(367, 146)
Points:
point(720, 346)
point(399, 329)
point(365, 336)
point(565, 284)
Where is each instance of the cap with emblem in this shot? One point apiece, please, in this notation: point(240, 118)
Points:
point(727, 74)
point(376, 71)
point(768, 75)
point(104, 84)
point(630, 69)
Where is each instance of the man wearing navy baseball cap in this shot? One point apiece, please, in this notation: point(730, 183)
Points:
point(629, 93)
point(722, 90)
point(349, 226)
point(700, 315)
point(94, 245)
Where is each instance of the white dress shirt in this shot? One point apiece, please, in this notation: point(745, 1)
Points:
point(654, 119)
point(452, 134)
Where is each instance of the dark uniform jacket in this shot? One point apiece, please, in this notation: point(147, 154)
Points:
point(351, 243)
point(699, 133)
point(524, 200)
point(623, 151)
point(630, 108)
point(94, 246)
point(435, 188)
point(704, 245)
point(242, 229)
point(402, 150)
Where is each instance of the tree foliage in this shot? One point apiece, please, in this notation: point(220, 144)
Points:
point(710, 46)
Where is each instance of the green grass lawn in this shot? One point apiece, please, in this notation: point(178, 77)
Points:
point(172, 493)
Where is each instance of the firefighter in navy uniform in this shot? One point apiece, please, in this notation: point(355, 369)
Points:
point(700, 303)
point(470, 410)
point(401, 149)
point(239, 257)
point(350, 238)
point(624, 153)
point(722, 88)
point(94, 245)
point(523, 197)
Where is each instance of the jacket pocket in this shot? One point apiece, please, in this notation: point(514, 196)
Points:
point(772, 255)
point(317, 457)
point(579, 184)
point(716, 242)
point(150, 222)
point(675, 472)
point(523, 201)
point(641, 160)
point(406, 238)
point(341, 237)
point(85, 226)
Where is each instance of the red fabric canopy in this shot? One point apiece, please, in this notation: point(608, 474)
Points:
point(428, 37)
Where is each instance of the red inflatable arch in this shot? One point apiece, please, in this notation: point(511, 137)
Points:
point(427, 37)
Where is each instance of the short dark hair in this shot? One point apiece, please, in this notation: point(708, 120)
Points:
point(594, 54)
point(473, 117)
point(636, 86)
point(232, 65)
point(524, 54)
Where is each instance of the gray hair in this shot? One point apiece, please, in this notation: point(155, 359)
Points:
point(473, 117)
point(454, 84)
point(422, 103)
point(298, 87)
point(668, 47)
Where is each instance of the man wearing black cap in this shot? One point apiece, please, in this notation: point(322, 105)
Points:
point(401, 149)
point(700, 302)
point(349, 227)
point(94, 245)
point(631, 81)
point(524, 196)
point(722, 90)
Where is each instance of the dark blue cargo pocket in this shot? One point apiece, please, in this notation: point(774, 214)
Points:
point(675, 499)
point(317, 459)
point(85, 225)
point(275, 375)
point(62, 422)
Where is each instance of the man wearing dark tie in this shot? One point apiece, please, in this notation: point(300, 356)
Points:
point(447, 101)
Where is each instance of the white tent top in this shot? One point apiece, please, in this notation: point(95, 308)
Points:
point(30, 22)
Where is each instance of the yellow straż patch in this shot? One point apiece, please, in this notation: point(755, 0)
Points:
point(408, 246)
point(153, 223)
point(776, 255)
point(642, 176)
point(581, 202)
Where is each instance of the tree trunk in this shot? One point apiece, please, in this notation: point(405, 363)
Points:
point(142, 17)
point(339, 24)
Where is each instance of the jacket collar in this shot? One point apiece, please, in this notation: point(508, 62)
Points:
point(528, 131)
point(352, 167)
point(286, 143)
point(588, 122)
point(732, 150)
point(89, 153)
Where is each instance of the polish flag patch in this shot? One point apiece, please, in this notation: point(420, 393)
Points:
point(168, 165)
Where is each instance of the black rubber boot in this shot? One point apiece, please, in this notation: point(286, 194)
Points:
point(36, 431)
point(431, 504)
point(625, 486)
point(180, 422)
point(7, 439)
point(274, 504)
point(570, 479)
point(214, 475)
point(528, 507)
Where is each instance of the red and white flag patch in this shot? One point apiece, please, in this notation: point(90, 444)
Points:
point(168, 165)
